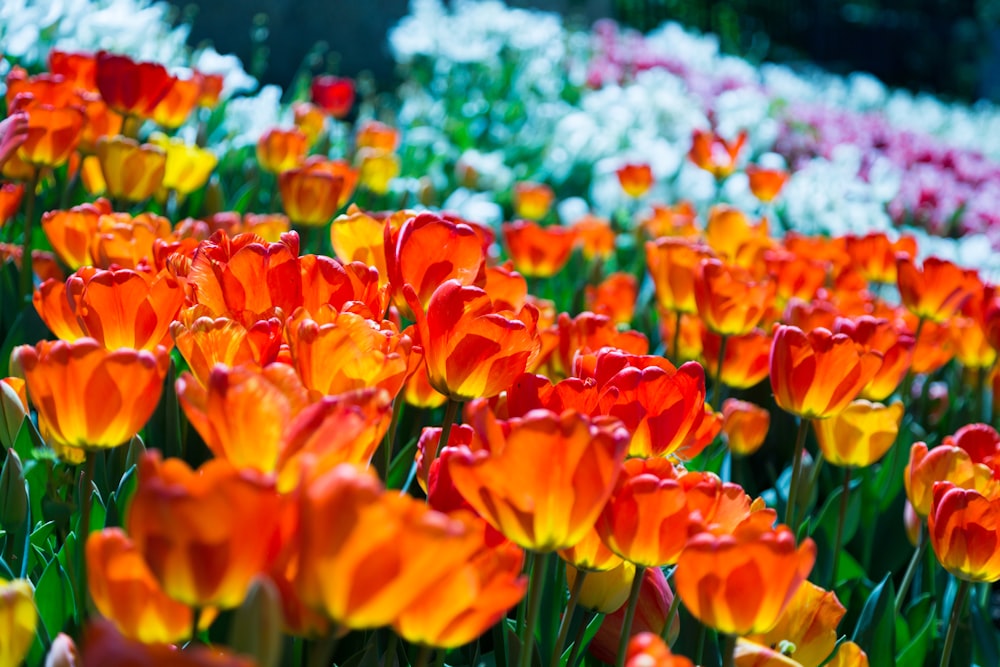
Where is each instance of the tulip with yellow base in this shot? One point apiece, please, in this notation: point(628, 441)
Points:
point(18, 620)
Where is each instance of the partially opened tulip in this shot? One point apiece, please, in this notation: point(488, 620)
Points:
point(538, 252)
point(673, 264)
point(614, 297)
point(88, 396)
point(309, 197)
point(77, 69)
point(888, 338)
point(188, 166)
point(70, 231)
point(377, 169)
point(603, 591)
point(532, 200)
point(281, 150)
point(766, 184)
point(205, 341)
point(730, 302)
point(53, 134)
point(178, 102)
point(132, 172)
point(934, 291)
point(715, 154)
point(745, 425)
point(310, 120)
point(964, 528)
point(944, 463)
point(635, 178)
point(18, 619)
point(808, 626)
point(859, 435)
point(746, 361)
point(875, 254)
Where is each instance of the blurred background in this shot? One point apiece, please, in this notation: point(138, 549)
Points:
point(947, 47)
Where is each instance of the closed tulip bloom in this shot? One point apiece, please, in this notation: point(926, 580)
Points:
point(131, 171)
point(88, 396)
point(647, 519)
point(728, 230)
point(542, 479)
point(191, 528)
point(176, 105)
point(376, 169)
point(188, 166)
point(603, 591)
point(309, 197)
point(747, 359)
point(766, 184)
point(672, 221)
point(468, 600)
point(129, 87)
point(655, 598)
point(13, 409)
point(334, 94)
point(472, 350)
point(673, 264)
point(18, 619)
point(538, 252)
point(859, 435)
point(808, 625)
point(964, 528)
point(794, 276)
point(280, 150)
point(816, 375)
point(310, 120)
point(715, 154)
point(427, 250)
point(615, 297)
point(946, 462)
point(648, 650)
point(532, 201)
point(936, 290)
point(63, 653)
point(635, 179)
point(729, 301)
point(128, 241)
point(589, 332)
point(53, 134)
point(373, 134)
point(126, 593)
point(741, 583)
point(745, 425)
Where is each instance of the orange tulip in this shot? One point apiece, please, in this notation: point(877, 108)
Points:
point(78, 70)
point(714, 154)
point(542, 479)
point(648, 650)
point(964, 528)
point(532, 200)
point(101, 122)
point(326, 283)
point(359, 236)
point(468, 600)
point(809, 624)
point(418, 390)
point(740, 584)
point(310, 120)
point(888, 338)
point(937, 290)
point(678, 220)
point(816, 375)
point(588, 332)
point(310, 197)
point(506, 287)
point(747, 359)
point(766, 184)
point(655, 598)
point(428, 250)
point(131, 88)
point(10, 201)
point(336, 352)
point(103, 645)
point(647, 520)
point(88, 396)
point(43, 89)
point(595, 237)
point(794, 276)
point(614, 297)
point(751, 654)
point(875, 255)
point(933, 348)
point(538, 252)
point(672, 265)
point(472, 350)
point(377, 169)
point(849, 654)
point(13, 409)
point(53, 134)
point(365, 556)
point(210, 87)
point(131, 171)
point(373, 134)
point(729, 301)
point(281, 150)
point(127, 241)
point(125, 591)
point(176, 105)
point(635, 179)
point(944, 463)
point(191, 528)
point(58, 309)
point(859, 435)
point(728, 230)
point(745, 425)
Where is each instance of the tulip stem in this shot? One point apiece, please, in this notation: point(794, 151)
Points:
point(389, 659)
point(980, 390)
point(911, 570)
point(728, 650)
point(793, 489)
point(578, 640)
point(423, 657)
point(717, 383)
point(633, 602)
point(86, 500)
point(27, 265)
point(675, 348)
point(675, 605)
point(450, 413)
point(535, 586)
point(838, 542)
point(574, 598)
point(956, 613)
point(699, 652)
point(195, 615)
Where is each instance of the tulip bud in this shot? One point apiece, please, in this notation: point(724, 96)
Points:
point(257, 625)
point(63, 653)
point(912, 522)
point(13, 495)
point(18, 619)
point(603, 592)
point(655, 597)
point(13, 410)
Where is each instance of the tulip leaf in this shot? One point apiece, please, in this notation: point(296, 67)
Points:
point(875, 631)
point(54, 596)
point(593, 625)
point(914, 654)
point(985, 633)
point(27, 328)
point(829, 516)
point(400, 466)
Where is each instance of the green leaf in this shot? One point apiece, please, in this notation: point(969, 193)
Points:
point(914, 654)
point(876, 628)
point(400, 466)
point(588, 634)
point(829, 516)
point(985, 633)
point(54, 597)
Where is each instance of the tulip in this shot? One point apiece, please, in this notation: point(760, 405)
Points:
point(595, 237)
point(472, 350)
point(538, 252)
point(210, 88)
point(751, 654)
point(714, 154)
point(603, 591)
point(124, 591)
point(188, 166)
point(176, 105)
point(808, 625)
point(361, 236)
point(13, 409)
point(191, 528)
point(131, 88)
point(79, 70)
point(103, 645)
point(672, 221)
point(309, 197)
point(635, 179)
point(729, 302)
point(88, 396)
point(766, 184)
point(794, 276)
point(936, 291)
point(63, 653)
point(729, 233)
point(373, 134)
point(648, 650)
point(860, 435)
point(964, 528)
point(69, 232)
point(10, 201)
point(18, 619)
point(53, 134)
point(888, 338)
point(204, 341)
point(875, 255)
point(334, 94)
point(376, 169)
point(310, 120)
point(327, 284)
point(131, 171)
point(101, 121)
point(945, 462)
point(746, 361)
point(589, 332)
point(740, 584)
point(281, 150)
point(614, 297)
point(514, 486)
point(673, 264)
point(532, 201)
point(849, 654)
point(651, 612)
point(338, 169)
point(745, 425)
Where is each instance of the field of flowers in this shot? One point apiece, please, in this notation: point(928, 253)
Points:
point(580, 347)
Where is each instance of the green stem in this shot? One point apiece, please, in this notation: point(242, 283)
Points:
point(27, 275)
point(911, 570)
point(86, 500)
point(793, 489)
point(450, 413)
point(423, 657)
point(838, 542)
point(298, 652)
point(980, 391)
point(675, 348)
point(389, 659)
point(956, 614)
point(675, 605)
point(728, 650)
point(633, 603)
point(578, 640)
point(717, 382)
point(195, 615)
point(535, 586)
point(699, 652)
point(574, 598)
